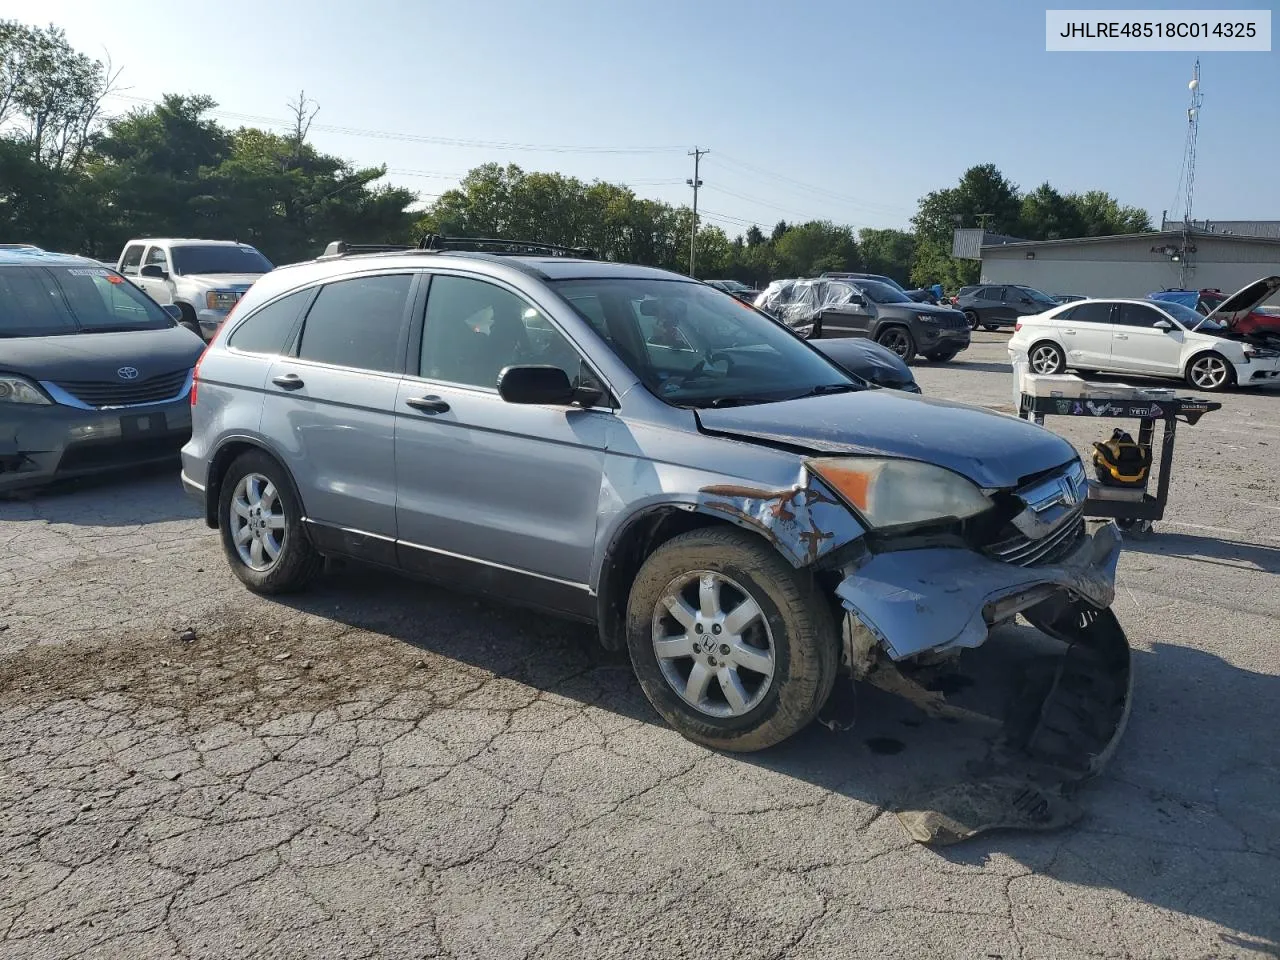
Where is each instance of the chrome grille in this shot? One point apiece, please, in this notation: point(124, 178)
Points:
point(1023, 551)
point(105, 393)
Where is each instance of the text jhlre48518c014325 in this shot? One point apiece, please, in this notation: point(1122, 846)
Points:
point(1133, 30)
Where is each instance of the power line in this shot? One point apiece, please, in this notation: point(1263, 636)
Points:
point(811, 188)
point(416, 138)
point(765, 203)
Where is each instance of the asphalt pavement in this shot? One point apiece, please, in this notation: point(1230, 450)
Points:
point(379, 768)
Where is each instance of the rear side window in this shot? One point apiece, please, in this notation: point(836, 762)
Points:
point(268, 329)
point(131, 260)
point(358, 323)
point(991, 293)
point(1088, 313)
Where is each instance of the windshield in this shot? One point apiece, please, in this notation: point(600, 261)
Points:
point(691, 345)
point(1038, 297)
point(218, 259)
point(1191, 319)
point(878, 292)
point(733, 286)
point(50, 301)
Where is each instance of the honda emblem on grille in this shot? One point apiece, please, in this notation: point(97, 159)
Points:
point(1068, 488)
point(127, 373)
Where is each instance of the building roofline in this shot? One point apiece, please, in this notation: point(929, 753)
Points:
point(1148, 235)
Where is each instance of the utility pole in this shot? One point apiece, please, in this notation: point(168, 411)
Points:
point(695, 183)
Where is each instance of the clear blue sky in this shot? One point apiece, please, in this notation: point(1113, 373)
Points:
point(868, 105)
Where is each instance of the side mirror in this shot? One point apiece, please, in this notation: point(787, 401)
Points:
point(173, 310)
point(857, 302)
point(154, 271)
point(1164, 325)
point(535, 385)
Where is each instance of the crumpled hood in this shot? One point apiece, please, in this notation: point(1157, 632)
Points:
point(865, 358)
point(222, 281)
point(99, 356)
point(991, 449)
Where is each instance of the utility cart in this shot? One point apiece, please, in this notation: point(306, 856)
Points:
point(1133, 508)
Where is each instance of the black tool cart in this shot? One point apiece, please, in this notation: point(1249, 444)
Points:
point(1133, 509)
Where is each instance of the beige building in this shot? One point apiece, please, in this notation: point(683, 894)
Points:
point(1133, 265)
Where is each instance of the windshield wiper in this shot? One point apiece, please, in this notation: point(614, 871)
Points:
point(823, 389)
point(734, 401)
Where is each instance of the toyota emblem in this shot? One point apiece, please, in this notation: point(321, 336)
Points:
point(127, 373)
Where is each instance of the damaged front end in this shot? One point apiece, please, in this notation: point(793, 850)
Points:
point(908, 601)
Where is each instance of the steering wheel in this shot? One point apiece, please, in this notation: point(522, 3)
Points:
point(699, 369)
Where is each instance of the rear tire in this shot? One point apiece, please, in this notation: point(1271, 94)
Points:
point(790, 634)
point(941, 356)
point(972, 318)
point(1046, 358)
point(899, 340)
point(189, 320)
point(991, 327)
point(260, 525)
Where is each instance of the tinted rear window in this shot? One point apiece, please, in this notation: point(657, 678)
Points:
point(267, 330)
point(358, 323)
point(218, 259)
point(53, 300)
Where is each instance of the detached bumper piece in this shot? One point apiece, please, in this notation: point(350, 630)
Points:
point(1070, 711)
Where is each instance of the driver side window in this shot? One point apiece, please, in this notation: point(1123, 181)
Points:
point(474, 329)
point(156, 257)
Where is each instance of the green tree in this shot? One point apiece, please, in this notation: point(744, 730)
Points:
point(1101, 215)
point(812, 248)
point(888, 252)
point(1048, 215)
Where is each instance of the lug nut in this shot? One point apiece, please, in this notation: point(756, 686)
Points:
point(716, 629)
point(697, 627)
point(711, 660)
point(697, 648)
point(724, 649)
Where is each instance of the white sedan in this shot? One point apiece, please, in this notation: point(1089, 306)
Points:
point(1152, 338)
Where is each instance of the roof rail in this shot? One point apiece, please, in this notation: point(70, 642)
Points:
point(435, 242)
point(340, 248)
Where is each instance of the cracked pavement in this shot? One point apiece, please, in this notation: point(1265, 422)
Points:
point(382, 769)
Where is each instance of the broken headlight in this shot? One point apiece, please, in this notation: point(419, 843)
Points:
point(890, 493)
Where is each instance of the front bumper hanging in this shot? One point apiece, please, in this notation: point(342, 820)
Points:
point(1068, 716)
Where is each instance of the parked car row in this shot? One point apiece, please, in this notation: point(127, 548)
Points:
point(878, 311)
point(1159, 337)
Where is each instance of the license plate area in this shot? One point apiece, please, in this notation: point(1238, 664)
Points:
point(142, 425)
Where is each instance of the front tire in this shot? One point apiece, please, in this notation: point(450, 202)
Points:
point(733, 646)
point(972, 317)
point(899, 340)
point(260, 523)
point(941, 356)
point(1211, 372)
point(1046, 358)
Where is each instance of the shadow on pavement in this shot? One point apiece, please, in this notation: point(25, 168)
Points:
point(1186, 819)
point(123, 498)
point(1211, 550)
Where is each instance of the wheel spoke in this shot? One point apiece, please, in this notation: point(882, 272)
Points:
point(275, 522)
point(244, 534)
point(671, 647)
point(741, 616)
point(751, 658)
point(709, 596)
point(253, 491)
point(255, 552)
point(268, 495)
point(683, 613)
point(734, 692)
point(695, 690)
point(272, 546)
point(240, 507)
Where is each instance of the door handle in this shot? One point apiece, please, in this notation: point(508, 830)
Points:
point(428, 404)
point(1122, 336)
point(287, 381)
point(1070, 333)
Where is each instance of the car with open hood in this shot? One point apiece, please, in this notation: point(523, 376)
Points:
point(94, 375)
point(1256, 321)
point(626, 446)
point(1155, 338)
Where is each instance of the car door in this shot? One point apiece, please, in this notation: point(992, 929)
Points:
point(851, 318)
point(158, 288)
point(329, 410)
point(497, 496)
point(1085, 333)
point(131, 261)
point(1138, 345)
point(988, 304)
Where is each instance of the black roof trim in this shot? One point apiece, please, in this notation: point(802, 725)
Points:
point(435, 243)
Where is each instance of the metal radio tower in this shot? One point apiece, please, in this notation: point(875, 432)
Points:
point(1193, 133)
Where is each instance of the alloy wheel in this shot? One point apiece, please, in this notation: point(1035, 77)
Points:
point(1044, 359)
point(713, 644)
point(897, 341)
point(257, 521)
point(1209, 372)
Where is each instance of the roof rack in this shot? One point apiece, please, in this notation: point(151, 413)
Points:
point(340, 248)
point(517, 248)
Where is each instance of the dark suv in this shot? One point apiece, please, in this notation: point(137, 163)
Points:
point(995, 305)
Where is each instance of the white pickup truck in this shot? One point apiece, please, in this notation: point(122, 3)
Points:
point(203, 278)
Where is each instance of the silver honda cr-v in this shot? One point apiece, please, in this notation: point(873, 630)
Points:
point(625, 446)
